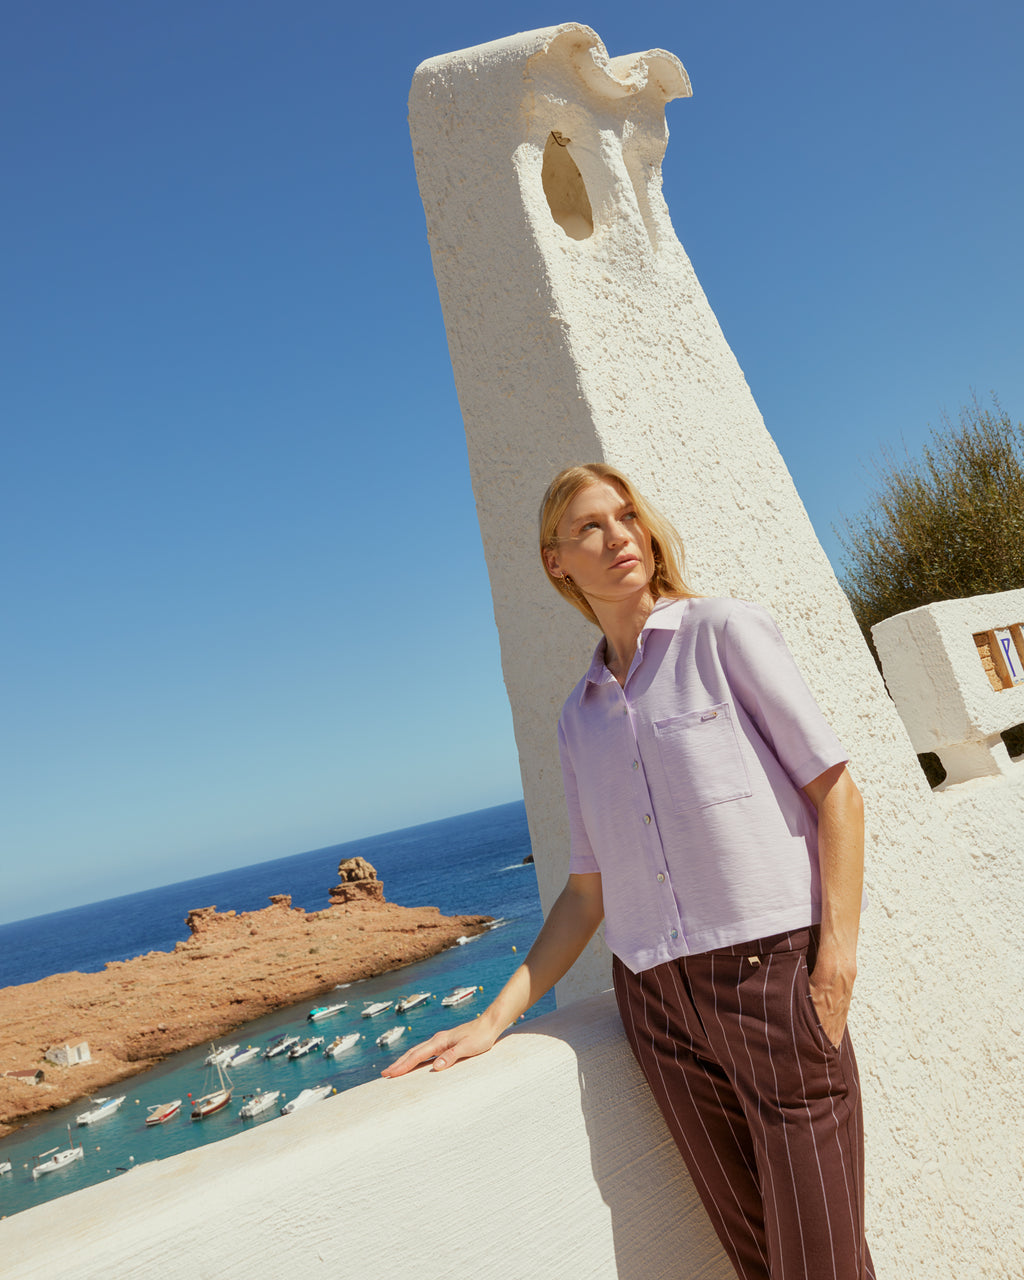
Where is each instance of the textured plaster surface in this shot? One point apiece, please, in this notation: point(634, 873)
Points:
point(567, 350)
point(518, 1164)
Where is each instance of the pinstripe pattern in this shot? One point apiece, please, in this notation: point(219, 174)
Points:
point(765, 1110)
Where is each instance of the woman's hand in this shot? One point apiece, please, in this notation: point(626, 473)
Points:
point(831, 987)
point(570, 925)
point(445, 1048)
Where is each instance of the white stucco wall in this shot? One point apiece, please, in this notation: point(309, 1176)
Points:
point(568, 350)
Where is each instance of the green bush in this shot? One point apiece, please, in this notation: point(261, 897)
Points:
point(943, 526)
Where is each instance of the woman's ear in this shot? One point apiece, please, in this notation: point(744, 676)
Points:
point(551, 562)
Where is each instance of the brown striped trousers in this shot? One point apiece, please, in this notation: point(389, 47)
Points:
point(764, 1108)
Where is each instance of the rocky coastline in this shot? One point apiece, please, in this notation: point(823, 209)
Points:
point(233, 968)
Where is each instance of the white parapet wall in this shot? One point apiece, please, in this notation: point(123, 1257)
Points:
point(521, 1163)
point(956, 673)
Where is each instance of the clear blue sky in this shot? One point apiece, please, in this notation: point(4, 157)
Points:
point(246, 611)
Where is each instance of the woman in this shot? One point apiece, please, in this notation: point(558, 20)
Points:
point(717, 831)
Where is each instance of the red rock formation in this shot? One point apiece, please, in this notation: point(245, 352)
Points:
point(233, 967)
point(359, 883)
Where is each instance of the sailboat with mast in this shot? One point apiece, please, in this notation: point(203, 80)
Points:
point(214, 1099)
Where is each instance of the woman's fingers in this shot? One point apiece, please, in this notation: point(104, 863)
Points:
point(445, 1048)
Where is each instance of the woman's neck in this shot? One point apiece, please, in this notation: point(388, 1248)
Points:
point(622, 622)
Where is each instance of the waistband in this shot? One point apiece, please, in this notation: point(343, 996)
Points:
point(792, 940)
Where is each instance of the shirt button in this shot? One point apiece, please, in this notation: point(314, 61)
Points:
point(674, 933)
point(647, 819)
point(661, 878)
point(636, 764)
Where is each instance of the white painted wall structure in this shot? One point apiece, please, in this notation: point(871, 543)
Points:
point(546, 1158)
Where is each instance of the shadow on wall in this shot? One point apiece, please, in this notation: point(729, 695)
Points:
point(659, 1226)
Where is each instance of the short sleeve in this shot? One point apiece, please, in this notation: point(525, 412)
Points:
point(768, 685)
point(581, 854)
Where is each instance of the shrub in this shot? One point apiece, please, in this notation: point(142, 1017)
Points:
point(943, 526)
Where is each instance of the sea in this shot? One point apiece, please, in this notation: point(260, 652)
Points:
point(472, 864)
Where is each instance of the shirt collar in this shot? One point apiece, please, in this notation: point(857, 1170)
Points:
point(665, 616)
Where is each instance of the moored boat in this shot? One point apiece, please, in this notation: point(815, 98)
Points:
point(458, 995)
point(305, 1046)
point(378, 1006)
point(5, 1167)
point(340, 1043)
point(259, 1102)
point(220, 1056)
point(388, 1038)
point(59, 1158)
point(214, 1099)
point(163, 1111)
point(104, 1107)
point(281, 1044)
point(325, 1011)
point(243, 1056)
point(307, 1096)
point(410, 1002)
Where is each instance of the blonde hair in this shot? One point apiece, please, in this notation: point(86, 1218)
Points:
point(667, 546)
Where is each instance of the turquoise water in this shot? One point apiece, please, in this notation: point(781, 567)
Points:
point(469, 864)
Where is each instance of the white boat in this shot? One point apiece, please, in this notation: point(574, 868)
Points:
point(259, 1102)
point(104, 1107)
point(163, 1111)
point(59, 1158)
point(410, 1002)
point(243, 1056)
point(388, 1038)
point(325, 1011)
point(340, 1043)
point(281, 1045)
point(5, 1167)
point(305, 1046)
point(458, 995)
point(214, 1099)
point(306, 1097)
point(220, 1056)
point(372, 1010)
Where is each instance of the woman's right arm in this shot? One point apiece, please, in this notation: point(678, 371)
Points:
point(570, 925)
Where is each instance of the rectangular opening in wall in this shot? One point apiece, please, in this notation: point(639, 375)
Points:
point(1014, 740)
point(1001, 651)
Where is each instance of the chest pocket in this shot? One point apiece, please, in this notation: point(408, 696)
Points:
point(700, 756)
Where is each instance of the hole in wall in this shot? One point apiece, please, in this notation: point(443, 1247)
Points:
point(932, 766)
point(565, 189)
point(1014, 740)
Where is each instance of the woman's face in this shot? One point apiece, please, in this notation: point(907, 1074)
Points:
point(602, 546)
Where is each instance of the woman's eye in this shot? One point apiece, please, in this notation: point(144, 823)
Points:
point(630, 515)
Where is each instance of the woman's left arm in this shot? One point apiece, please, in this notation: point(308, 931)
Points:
point(841, 860)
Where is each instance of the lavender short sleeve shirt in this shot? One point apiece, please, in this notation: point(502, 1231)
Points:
point(684, 786)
